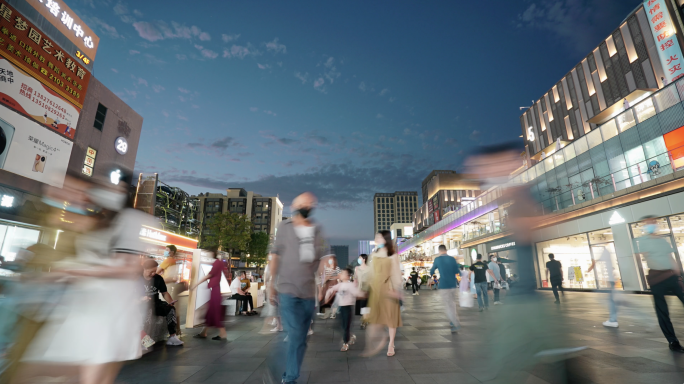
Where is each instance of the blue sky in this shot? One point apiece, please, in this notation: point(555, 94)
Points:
point(345, 99)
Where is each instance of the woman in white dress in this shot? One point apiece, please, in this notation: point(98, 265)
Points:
point(98, 324)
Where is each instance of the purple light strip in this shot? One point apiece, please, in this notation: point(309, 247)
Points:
point(457, 223)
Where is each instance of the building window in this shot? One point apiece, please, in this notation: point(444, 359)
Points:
point(100, 116)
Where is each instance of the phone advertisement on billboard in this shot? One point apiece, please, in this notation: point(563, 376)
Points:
point(31, 150)
point(30, 97)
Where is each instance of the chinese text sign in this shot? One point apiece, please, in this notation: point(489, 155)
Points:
point(663, 30)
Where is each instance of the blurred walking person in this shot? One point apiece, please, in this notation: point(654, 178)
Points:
point(101, 302)
point(663, 277)
point(385, 294)
point(270, 311)
point(606, 259)
point(554, 274)
point(170, 271)
point(448, 269)
point(523, 333)
point(362, 278)
point(215, 310)
point(297, 253)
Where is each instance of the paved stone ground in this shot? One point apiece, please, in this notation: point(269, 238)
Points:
point(426, 350)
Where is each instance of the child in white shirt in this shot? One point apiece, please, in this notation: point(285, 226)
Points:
point(346, 297)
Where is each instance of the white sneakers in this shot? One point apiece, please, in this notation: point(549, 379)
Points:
point(497, 303)
point(611, 324)
point(415, 294)
point(310, 332)
point(276, 329)
point(174, 340)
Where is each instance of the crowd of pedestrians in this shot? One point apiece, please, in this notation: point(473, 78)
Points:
point(100, 256)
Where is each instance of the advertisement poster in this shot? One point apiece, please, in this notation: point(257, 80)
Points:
point(30, 97)
point(27, 47)
point(663, 30)
point(31, 150)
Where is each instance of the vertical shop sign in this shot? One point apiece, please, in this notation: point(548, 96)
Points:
point(663, 31)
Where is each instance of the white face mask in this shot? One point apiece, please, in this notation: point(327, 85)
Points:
point(360, 260)
point(493, 258)
point(330, 261)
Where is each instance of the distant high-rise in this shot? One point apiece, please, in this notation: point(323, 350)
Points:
point(366, 246)
point(443, 192)
point(342, 254)
point(390, 208)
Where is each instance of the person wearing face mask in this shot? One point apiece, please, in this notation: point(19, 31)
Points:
point(385, 294)
point(448, 269)
point(663, 277)
point(101, 328)
point(361, 277)
point(298, 251)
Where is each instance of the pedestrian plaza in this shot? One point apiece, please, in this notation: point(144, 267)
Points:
point(427, 352)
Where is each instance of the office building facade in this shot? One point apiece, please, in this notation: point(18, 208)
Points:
point(390, 208)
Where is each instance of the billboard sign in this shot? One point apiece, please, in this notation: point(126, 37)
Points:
point(30, 97)
point(28, 48)
point(29, 149)
point(663, 31)
point(71, 26)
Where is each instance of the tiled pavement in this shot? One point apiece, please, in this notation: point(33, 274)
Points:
point(426, 350)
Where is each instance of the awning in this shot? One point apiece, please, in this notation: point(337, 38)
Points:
point(618, 107)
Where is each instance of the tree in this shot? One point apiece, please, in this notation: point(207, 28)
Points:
point(258, 249)
point(228, 231)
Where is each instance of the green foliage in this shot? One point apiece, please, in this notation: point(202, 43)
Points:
point(229, 231)
point(258, 249)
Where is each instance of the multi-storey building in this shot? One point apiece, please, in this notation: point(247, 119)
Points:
point(265, 213)
point(390, 208)
point(173, 207)
point(366, 246)
point(598, 165)
point(443, 192)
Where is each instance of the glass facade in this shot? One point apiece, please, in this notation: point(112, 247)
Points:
point(574, 254)
point(14, 238)
point(670, 228)
point(637, 146)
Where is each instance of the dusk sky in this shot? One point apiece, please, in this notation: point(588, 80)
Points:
point(344, 98)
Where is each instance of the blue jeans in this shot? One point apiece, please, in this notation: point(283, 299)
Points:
point(481, 289)
point(295, 314)
point(611, 303)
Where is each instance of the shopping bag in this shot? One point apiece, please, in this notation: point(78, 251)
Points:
point(466, 299)
point(365, 311)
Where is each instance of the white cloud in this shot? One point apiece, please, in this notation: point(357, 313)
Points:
point(114, 70)
point(133, 52)
point(181, 117)
point(391, 99)
point(331, 73)
point(166, 114)
point(208, 53)
point(195, 106)
point(254, 109)
point(159, 30)
point(379, 116)
point(158, 88)
point(183, 90)
point(142, 81)
point(229, 38)
point(363, 87)
point(384, 92)
point(137, 13)
point(103, 27)
point(181, 57)
point(276, 47)
point(270, 113)
point(319, 85)
point(303, 77)
point(240, 51)
point(263, 66)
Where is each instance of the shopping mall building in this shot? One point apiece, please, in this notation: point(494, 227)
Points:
point(55, 117)
point(595, 163)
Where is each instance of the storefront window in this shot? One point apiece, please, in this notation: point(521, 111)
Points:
point(13, 238)
point(601, 241)
point(574, 254)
